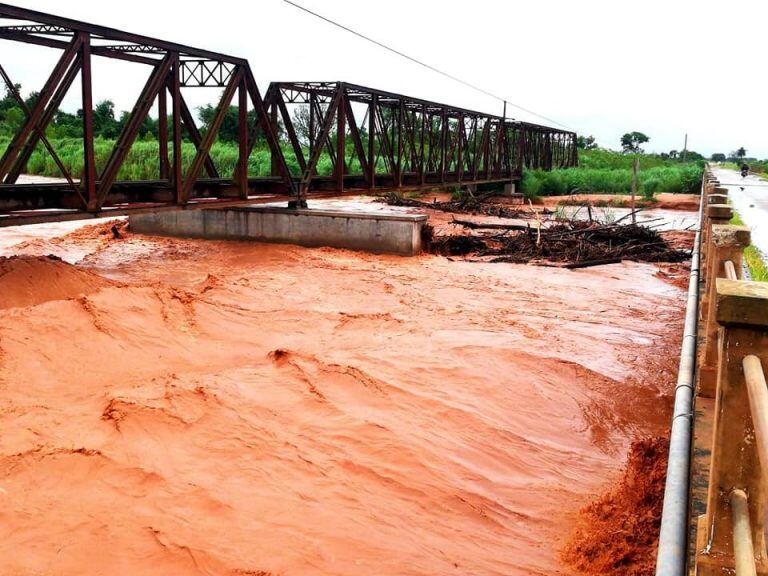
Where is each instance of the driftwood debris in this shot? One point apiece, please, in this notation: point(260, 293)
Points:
point(585, 243)
point(489, 225)
point(562, 242)
point(570, 244)
point(468, 204)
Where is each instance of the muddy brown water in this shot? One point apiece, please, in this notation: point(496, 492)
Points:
point(242, 408)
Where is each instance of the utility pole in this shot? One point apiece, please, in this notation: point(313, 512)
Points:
point(685, 148)
point(635, 167)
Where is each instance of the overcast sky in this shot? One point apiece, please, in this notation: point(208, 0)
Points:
point(665, 68)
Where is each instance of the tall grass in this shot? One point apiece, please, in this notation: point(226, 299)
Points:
point(601, 171)
point(608, 172)
point(755, 260)
point(600, 158)
point(142, 161)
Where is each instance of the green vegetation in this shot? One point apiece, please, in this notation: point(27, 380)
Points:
point(755, 260)
point(607, 172)
point(631, 141)
point(142, 161)
point(65, 133)
point(735, 159)
point(601, 171)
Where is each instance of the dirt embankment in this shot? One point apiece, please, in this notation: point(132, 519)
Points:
point(665, 201)
point(29, 281)
point(618, 533)
point(186, 407)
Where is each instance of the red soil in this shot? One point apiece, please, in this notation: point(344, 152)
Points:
point(28, 281)
point(240, 408)
point(620, 530)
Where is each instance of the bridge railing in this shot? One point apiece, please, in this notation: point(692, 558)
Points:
point(734, 352)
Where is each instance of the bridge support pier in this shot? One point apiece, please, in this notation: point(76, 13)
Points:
point(372, 231)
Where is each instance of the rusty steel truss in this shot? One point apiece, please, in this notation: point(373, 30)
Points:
point(398, 141)
point(336, 137)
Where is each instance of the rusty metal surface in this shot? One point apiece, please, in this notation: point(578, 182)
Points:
point(401, 140)
point(373, 139)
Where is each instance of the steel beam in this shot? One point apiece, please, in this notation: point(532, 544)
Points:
point(210, 135)
point(156, 81)
point(89, 155)
point(40, 106)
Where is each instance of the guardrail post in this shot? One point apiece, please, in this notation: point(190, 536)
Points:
point(727, 243)
point(714, 214)
point(717, 198)
point(742, 312)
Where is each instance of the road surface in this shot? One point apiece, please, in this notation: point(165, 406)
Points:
point(750, 199)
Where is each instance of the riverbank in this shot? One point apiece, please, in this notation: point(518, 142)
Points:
point(664, 201)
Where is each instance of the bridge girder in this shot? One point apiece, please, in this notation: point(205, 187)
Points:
point(396, 141)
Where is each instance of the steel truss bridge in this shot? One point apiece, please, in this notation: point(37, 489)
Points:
point(324, 138)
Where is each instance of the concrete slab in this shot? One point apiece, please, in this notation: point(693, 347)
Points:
point(373, 231)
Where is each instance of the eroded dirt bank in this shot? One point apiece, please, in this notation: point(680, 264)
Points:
point(239, 408)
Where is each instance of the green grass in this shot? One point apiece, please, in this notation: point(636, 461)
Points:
point(608, 172)
point(755, 260)
point(142, 160)
point(600, 171)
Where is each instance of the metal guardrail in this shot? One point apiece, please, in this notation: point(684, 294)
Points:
point(734, 316)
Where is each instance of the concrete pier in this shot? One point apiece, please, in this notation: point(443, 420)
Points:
point(374, 231)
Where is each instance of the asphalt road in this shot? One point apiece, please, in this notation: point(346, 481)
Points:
point(750, 199)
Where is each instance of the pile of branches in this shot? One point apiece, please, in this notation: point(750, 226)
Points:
point(580, 244)
point(467, 204)
point(570, 244)
point(457, 245)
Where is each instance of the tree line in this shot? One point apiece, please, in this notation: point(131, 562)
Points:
point(107, 122)
point(632, 143)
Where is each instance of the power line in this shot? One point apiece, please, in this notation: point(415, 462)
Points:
point(420, 63)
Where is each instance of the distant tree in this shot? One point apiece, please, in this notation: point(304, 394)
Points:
point(741, 152)
point(631, 141)
point(300, 118)
point(674, 154)
point(147, 130)
point(12, 119)
point(8, 101)
point(228, 131)
point(229, 126)
point(104, 122)
point(31, 99)
point(586, 143)
point(11, 115)
point(718, 157)
point(664, 156)
point(66, 125)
